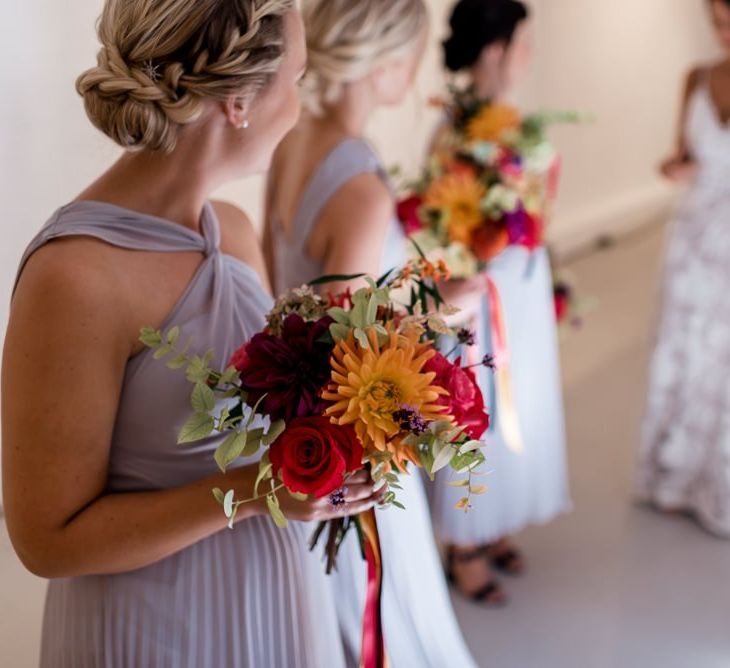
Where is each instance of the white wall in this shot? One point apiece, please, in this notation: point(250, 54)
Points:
point(621, 59)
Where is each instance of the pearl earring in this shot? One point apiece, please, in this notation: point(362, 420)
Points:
point(244, 125)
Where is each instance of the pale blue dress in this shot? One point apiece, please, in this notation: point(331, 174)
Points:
point(529, 487)
point(252, 597)
point(421, 629)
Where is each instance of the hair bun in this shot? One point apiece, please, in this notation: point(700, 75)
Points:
point(477, 24)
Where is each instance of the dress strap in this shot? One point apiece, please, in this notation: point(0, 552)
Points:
point(350, 158)
point(128, 229)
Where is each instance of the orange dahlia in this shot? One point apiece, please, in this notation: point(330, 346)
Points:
point(369, 385)
point(459, 194)
point(492, 122)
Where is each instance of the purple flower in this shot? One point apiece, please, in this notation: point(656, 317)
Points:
point(466, 337)
point(290, 370)
point(409, 419)
point(523, 229)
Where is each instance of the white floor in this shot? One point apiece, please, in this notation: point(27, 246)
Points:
point(610, 586)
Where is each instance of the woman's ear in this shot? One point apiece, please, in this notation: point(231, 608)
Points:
point(236, 111)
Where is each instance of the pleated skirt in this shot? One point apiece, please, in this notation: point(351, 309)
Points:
point(253, 597)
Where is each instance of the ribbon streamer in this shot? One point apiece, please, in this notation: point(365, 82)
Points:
point(507, 419)
point(373, 643)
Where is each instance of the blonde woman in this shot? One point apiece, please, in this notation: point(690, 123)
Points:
point(331, 211)
point(99, 497)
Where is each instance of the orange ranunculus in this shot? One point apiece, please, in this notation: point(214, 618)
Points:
point(492, 122)
point(460, 196)
point(370, 385)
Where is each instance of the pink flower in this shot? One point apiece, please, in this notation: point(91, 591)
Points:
point(464, 401)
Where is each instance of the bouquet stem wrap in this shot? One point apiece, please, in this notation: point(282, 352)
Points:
point(373, 643)
point(507, 420)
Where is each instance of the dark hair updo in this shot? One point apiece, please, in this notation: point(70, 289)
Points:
point(477, 24)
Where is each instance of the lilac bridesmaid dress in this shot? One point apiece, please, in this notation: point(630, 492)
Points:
point(252, 597)
point(420, 626)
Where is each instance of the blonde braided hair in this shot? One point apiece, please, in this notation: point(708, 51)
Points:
point(347, 39)
point(161, 59)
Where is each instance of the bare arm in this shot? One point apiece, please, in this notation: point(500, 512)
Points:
point(353, 227)
point(267, 239)
point(65, 353)
point(679, 166)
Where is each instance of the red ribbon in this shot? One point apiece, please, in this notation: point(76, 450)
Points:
point(373, 643)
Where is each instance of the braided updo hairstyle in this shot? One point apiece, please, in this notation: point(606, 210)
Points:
point(477, 24)
point(161, 59)
point(347, 39)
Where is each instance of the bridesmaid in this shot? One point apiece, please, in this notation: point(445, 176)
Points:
point(332, 211)
point(99, 497)
point(488, 43)
point(685, 456)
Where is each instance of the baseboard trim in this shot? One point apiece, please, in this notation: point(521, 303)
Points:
point(576, 233)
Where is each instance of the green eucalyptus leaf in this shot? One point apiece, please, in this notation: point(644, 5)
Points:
point(173, 335)
point(265, 472)
point(228, 503)
point(198, 427)
point(219, 495)
point(398, 504)
point(230, 449)
point(339, 315)
point(229, 376)
point(202, 398)
point(150, 337)
point(272, 504)
point(298, 497)
point(339, 332)
point(163, 351)
point(275, 430)
point(362, 338)
point(442, 458)
point(178, 362)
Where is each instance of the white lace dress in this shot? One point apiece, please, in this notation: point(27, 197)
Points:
point(685, 455)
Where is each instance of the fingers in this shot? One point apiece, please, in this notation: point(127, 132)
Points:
point(359, 492)
point(361, 477)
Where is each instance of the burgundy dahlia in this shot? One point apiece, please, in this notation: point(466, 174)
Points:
point(289, 371)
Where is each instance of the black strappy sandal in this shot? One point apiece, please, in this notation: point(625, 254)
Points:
point(509, 562)
point(484, 595)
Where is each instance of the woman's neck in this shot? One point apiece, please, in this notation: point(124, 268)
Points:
point(487, 85)
point(172, 186)
point(351, 113)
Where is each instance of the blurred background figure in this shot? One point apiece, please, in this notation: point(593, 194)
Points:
point(331, 211)
point(685, 459)
point(489, 44)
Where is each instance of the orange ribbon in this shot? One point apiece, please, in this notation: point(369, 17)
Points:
point(373, 643)
point(507, 420)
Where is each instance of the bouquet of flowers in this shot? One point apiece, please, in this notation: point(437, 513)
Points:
point(343, 382)
point(488, 184)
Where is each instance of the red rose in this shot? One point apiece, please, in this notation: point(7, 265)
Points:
point(313, 455)
point(408, 214)
point(239, 359)
point(465, 401)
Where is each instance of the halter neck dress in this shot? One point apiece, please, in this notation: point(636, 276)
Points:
point(249, 597)
point(419, 623)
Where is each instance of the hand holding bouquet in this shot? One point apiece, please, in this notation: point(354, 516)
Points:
point(343, 383)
